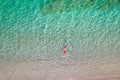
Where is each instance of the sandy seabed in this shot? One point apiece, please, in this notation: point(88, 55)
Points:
point(56, 70)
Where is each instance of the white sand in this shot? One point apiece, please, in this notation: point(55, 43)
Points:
point(55, 70)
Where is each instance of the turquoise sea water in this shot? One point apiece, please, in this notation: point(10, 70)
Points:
point(35, 29)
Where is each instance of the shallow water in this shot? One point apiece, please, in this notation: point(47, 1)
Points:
point(30, 31)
